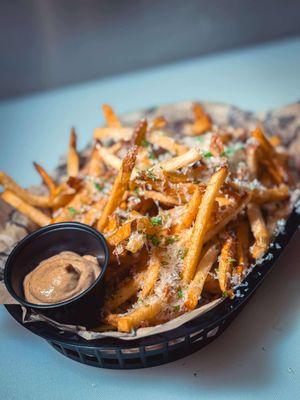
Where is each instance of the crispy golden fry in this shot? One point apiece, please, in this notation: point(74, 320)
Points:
point(178, 162)
point(196, 286)
point(94, 213)
point(121, 234)
point(259, 230)
point(229, 216)
point(191, 211)
point(161, 198)
point(151, 274)
point(122, 133)
point(243, 244)
point(275, 140)
point(202, 122)
point(119, 187)
point(226, 263)
point(32, 213)
point(158, 123)
point(167, 143)
point(278, 193)
point(73, 158)
point(48, 181)
point(113, 149)
point(143, 315)
point(200, 227)
point(128, 289)
point(135, 242)
point(35, 200)
point(110, 117)
point(139, 133)
point(95, 166)
point(109, 159)
point(277, 170)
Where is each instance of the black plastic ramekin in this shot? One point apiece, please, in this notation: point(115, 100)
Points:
point(49, 241)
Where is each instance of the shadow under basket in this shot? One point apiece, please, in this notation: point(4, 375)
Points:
point(165, 347)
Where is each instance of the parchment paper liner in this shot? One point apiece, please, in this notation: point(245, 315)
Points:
point(14, 226)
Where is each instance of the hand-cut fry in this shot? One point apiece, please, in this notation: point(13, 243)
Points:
point(252, 161)
point(161, 198)
point(110, 117)
point(121, 234)
point(200, 227)
point(158, 123)
point(181, 161)
point(202, 121)
point(259, 230)
point(128, 289)
point(143, 315)
point(48, 181)
point(230, 215)
point(196, 286)
point(135, 242)
point(277, 193)
point(35, 200)
point(151, 274)
point(167, 143)
point(73, 158)
point(226, 263)
point(277, 170)
point(139, 133)
point(119, 187)
point(35, 215)
point(110, 159)
point(122, 133)
point(191, 211)
point(95, 166)
point(243, 243)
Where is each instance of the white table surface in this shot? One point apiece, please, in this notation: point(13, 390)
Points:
point(259, 354)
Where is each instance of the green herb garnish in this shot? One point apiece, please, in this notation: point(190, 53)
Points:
point(171, 239)
point(231, 260)
point(208, 154)
point(180, 293)
point(137, 190)
point(182, 253)
point(73, 211)
point(145, 143)
point(98, 186)
point(154, 239)
point(224, 294)
point(155, 221)
point(151, 156)
point(176, 308)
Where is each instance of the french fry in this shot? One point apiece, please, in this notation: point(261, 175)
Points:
point(145, 314)
point(109, 159)
point(226, 263)
point(200, 227)
point(139, 133)
point(48, 181)
point(243, 243)
point(110, 117)
point(121, 234)
point(259, 230)
point(191, 211)
point(167, 143)
point(161, 198)
point(32, 213)
point(279, 193)
point(119, 187)
point(196, 286)
point(35, 200)
point(122, 133)
point(95, 166)
point(135, 242)
point(128, 289)
point(178, 162)
point(73, 158)
point(151, 274)
point(202, 122)
point(158, 123)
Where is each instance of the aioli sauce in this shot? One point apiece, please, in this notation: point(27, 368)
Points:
point(60, 278)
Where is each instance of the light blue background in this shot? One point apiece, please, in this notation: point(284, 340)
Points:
point(259, 354)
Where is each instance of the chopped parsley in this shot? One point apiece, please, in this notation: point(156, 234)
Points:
point(73, 211)
point(224, 295)
point(208, 154)
point(231, 150)
point(151, 155)
point(176, 308)
point(98, 186)
point(137, 190)
point(180, 293)
point(182, 253)
point(155, 221)
point(171, 239)
point(231, 260)
point(145, 143)
point(154, 239)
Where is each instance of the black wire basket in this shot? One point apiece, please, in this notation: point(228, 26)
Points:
point(165, 347)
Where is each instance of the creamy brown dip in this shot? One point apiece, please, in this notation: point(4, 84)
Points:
point(60, 278)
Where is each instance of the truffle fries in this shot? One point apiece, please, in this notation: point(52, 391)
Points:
point(185, 214)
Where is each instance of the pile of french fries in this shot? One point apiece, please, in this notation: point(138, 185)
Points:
point(185, 214)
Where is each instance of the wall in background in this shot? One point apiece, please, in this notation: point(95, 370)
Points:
point(48, 43)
